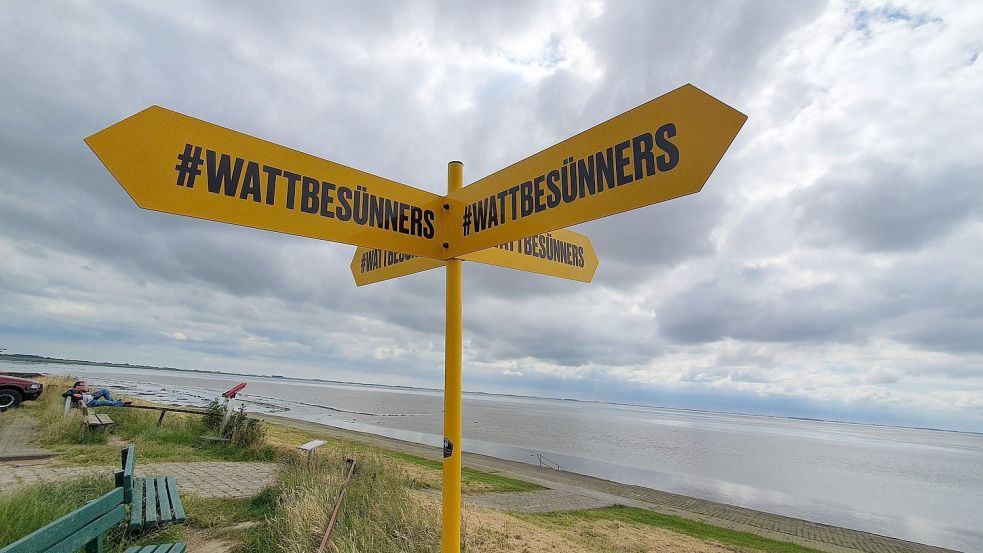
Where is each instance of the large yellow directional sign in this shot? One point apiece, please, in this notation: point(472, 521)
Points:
point(663, 149)
point(561, 253)
point(170, 162)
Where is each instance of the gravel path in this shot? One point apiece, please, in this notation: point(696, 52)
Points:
point(541, 501)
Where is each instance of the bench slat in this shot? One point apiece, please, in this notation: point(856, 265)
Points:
point(72, 523)
point(128, 458)
point(104, 419)
point(136, 506)
point(91, 531)
point(175, 499)
point(150, 509)
point(165, 503)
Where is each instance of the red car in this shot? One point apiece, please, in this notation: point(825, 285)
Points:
point(14, 390)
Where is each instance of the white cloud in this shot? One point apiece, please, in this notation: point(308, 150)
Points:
point(832, 259)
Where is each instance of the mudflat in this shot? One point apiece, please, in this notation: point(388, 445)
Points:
point(578, 489)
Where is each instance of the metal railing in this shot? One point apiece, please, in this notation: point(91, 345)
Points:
point(545, 461)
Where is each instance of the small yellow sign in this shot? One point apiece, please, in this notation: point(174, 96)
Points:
point(663, 149)
point(371, 265)
point(170, 162)
point(561, 253)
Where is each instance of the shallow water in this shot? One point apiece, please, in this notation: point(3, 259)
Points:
point(914, 484)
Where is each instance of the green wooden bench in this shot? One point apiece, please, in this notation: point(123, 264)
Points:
point(153, 500)
point(84, 527)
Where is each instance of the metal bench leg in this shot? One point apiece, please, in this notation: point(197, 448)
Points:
point(161, 418)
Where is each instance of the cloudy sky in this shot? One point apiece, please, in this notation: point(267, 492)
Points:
point(831, 267)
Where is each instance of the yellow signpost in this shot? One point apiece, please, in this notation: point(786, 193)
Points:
point(170, 162)
point(663, 149)
point(660, 150)
point(561, 253)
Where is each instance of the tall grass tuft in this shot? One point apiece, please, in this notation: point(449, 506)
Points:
point(378, 514)
point(29, 508)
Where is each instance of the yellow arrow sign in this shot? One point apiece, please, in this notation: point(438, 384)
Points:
point(170, 162)
point(663, 149)
point(561, 253)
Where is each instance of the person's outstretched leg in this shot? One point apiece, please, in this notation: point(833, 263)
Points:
point(105, 403)
point(103, 394)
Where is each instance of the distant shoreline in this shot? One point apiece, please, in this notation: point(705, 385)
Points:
point(28, 358)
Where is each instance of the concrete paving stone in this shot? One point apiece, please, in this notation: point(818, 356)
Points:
point(17, 441)
point(213, 480)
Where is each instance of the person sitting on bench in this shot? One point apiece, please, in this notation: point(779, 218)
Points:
point(81, 396)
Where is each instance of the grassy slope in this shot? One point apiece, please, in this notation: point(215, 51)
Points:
point(471, 477)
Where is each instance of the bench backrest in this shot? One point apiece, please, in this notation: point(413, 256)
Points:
point(74, 530)
point(124, 477)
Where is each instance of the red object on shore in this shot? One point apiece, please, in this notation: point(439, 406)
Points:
point(231, 393)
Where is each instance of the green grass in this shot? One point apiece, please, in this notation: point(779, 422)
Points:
point(27, 509)
point(743, 541)
point(218, 513)
point(470, 476)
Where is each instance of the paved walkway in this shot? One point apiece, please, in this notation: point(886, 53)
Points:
point(831, 539)
point(204, 479)
point(16, 440)
point(541, 501)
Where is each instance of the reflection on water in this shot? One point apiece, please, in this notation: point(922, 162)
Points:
point(919, 485)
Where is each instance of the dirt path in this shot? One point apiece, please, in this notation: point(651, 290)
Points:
point(810, 534)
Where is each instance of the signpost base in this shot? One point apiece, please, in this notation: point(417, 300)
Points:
point(451, 507)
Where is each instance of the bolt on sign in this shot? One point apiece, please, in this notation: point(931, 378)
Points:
point(663, 149)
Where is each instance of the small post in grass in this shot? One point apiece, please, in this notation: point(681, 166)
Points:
point(309, 447)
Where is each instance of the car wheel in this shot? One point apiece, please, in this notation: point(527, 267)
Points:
point(9, 398)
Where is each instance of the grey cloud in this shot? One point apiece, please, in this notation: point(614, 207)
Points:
point(944, 334)
point(747, 308)
point(882, 375)
point(720, 46)
point(883, 206)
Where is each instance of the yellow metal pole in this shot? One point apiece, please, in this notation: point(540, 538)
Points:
point(451, 537)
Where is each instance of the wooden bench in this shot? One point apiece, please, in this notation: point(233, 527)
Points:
point(83, 527)
point(100, 422)
point(153, 500)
